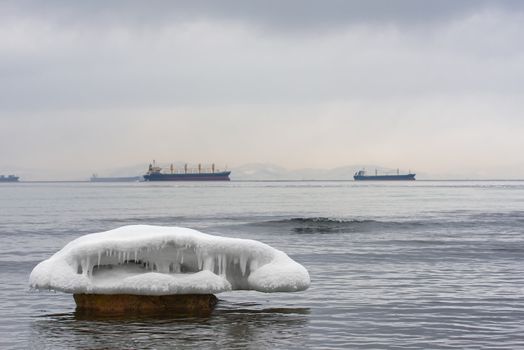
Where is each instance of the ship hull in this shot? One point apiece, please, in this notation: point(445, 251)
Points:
point(407, 177)
point(221, 176)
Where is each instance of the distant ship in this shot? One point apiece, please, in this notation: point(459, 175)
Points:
point(154, 173)
point(361, 176)
point(9, 178)
point(96, 178)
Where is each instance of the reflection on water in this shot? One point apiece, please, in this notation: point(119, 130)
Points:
point(229, 326)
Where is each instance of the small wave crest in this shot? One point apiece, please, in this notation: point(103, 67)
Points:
point(333, 225)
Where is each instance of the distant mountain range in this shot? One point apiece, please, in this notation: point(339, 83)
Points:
point(259, 171)
point(265, 171)
point(246, 172)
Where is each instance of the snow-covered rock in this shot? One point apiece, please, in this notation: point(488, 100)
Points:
point(154, 260)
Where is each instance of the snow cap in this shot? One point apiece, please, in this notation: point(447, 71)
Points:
point(155, 260)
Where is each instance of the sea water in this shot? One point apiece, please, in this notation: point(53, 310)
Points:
point(407, 265)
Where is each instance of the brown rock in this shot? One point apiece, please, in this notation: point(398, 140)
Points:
point(139, 304)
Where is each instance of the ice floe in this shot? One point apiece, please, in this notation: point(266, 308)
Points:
point(155, 260)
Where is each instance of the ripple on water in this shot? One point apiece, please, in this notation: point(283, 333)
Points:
point(427, 265)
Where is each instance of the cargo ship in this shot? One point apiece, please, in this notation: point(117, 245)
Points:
point(9, 178)
point(155, 173)
point(362, 176)
point(96, 178)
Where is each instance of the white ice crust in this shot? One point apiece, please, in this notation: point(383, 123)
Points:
point(155, 260)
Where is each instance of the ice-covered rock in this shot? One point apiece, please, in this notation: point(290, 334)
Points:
point(154, 260)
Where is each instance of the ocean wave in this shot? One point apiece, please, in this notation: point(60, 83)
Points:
point(334, 225)
point(509, 221)
point(452, 221)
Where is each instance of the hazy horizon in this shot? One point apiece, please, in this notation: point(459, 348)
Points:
point(259, 172)
point(93, 86)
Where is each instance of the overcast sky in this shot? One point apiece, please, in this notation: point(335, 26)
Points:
point(435, 86)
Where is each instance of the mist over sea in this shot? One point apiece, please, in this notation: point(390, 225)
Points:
point(399, 265)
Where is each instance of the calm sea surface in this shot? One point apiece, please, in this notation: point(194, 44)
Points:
point(419, 265)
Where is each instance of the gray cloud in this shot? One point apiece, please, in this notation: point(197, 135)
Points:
point(206, 63)
point(290, 14)
point(299, 83)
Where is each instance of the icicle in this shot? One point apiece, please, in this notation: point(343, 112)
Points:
point(88, 263)
point(243, 264)
point(200, 262)
point(209, 264)
point(99, 256)
point(136, 255)
point(224, 265)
